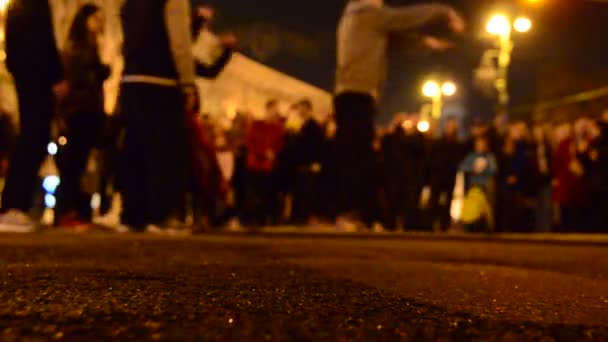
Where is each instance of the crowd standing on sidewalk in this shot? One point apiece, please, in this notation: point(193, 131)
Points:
point(171, 168)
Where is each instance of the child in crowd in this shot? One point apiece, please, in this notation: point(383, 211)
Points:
point(480, 167)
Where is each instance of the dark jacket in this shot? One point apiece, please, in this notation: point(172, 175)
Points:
point(85, 74)
point(512, 165)
point(31, 50)
point(393, 154)
point(404, 157)
point(444, 159)
point(309, 143)
point(415, 150)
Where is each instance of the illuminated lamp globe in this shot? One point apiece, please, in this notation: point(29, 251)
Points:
point(498, 25)
point(431, 89)
point(522, 24)
point(449, 89)
point(423, 126)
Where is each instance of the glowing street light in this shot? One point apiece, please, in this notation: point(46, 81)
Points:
point(502, 27)
point(499, 25)
point(448, 89)
point(423, 126)
point(52, 148)
point(431, 89)
point(436, 92)
point(4, 5)
point(522, 24)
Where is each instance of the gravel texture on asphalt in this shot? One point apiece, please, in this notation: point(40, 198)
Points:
point(130, 287)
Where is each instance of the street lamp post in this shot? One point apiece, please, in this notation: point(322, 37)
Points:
point(436, 92)
point(502, 27)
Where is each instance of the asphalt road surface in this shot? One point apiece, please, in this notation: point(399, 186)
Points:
point(256, 288)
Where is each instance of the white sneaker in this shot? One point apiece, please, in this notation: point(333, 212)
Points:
point(107, 220)
point(378, 228)
point(15, 221)
point(154, 229)
point(112, 217)
point(234, 226)
point(120, 228)
point(178, 232)
point(346, 224)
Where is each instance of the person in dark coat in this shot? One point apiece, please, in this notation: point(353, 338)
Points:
point(329, 172)
point(81, 112)
point(446, 155)
point(512, 164)
point(538, 181)
point(307, 153)
point(33, 60)
point(595, 163)
point(403, 156)
point(393, 168)
point(414, 152)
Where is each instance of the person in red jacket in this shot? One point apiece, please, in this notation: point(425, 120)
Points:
point(207, 183)
point(264, 142)
point(568, 189)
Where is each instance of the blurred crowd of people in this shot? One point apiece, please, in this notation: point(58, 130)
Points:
point(539, 178)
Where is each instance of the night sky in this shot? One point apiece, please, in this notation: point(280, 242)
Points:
point(298, 38)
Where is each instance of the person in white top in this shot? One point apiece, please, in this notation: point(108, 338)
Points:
point(362, 40)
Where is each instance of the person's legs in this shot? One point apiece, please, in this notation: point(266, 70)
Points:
point(305, 197)
point(166, 153)
point(506, 211)
point(255, 211)
point(445, 206)
point(568, 218)
point(133, 161)
point(82, 134)
point(354, 152)
point(155, 152)
point(411, 206)
point(272, 204)
point(544, 210)
point(440, 205)
point(239, 185)
point(36, 111)
point(395, 197)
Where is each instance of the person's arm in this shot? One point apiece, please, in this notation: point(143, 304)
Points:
point(212, 71)
point(54, 63)
point(177, 19)
point(467, 164)
point(409, 18)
